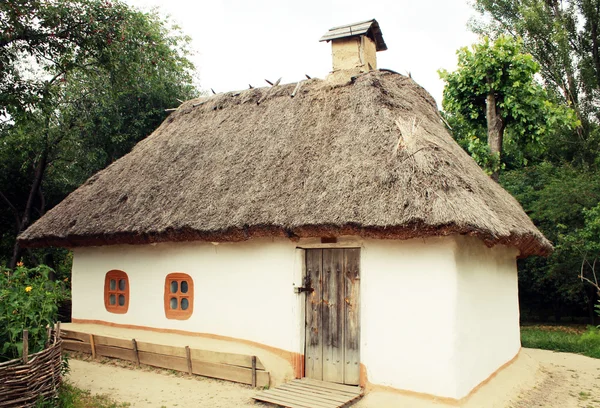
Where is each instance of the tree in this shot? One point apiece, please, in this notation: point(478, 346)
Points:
point(494, 92)
point(557, 198)
point(103, 75)
point(560, 191)
point(564, 38)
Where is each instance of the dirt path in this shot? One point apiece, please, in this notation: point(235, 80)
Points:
point(538, 378)
point(142, 388)
point(565, 380)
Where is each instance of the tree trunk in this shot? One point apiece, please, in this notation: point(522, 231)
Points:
point(38, 176)
point(495, 128)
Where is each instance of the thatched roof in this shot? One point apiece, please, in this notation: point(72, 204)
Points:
point(370, 157)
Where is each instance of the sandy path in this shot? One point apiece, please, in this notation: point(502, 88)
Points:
point(143, 388)
point(538, 378)
point(565, 380)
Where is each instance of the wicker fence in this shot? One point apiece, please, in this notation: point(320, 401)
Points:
point(25, 380)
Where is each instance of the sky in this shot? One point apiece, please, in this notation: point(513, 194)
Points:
point(242, 42)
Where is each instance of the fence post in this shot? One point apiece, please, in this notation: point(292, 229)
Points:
point(25, 346)
point(254, 371)
point(135, 351)
point(93, 346)
point(57, 334)
point(188, 355)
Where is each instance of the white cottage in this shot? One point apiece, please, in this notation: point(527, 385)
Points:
point(334, 222)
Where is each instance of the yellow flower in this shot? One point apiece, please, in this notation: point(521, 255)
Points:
point(28, 289)
point(19, 263)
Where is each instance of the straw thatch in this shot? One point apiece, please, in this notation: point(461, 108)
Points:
point(370, 157)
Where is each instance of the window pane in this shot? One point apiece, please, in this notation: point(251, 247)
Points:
point(174, 287)
point(184, 287)
point(112, 299)
point(122, 284)
point(173, 303)
point(185, 303)
point(113, 284)
point(121, 300)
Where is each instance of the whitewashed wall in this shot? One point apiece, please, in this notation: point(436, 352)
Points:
point(408, 304)
point(242, 290)
point(487, 313)
point(432, 310)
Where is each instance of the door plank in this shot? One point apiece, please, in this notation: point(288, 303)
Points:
point(324, 394)
point(352, 316)
point(314, 402)
point(313, 365)
point(333, 316)
point(279, 401)
point(348, 389)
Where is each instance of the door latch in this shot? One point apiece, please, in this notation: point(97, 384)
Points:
point(306, 288)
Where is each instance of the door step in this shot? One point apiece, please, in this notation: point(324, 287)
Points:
point(309, 393)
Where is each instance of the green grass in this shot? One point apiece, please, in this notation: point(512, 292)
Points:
point(560, 338)
point(73, 397)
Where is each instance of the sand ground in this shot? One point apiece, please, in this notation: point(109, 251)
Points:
point(537, 378)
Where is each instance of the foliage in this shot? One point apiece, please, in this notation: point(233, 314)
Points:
point(556, 199)
point(528, 114)
point(586, 241)
point(70, 396)
point(28, 300)
point(564, 38)
point(562, 340)
point(103, 73)
point(555, 174)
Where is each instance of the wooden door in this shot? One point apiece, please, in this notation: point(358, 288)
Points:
point(332, 351)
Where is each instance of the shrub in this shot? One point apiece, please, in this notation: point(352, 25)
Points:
point(590, 341)
point(28, 300)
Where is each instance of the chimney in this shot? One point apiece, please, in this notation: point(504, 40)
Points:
point(354, 47)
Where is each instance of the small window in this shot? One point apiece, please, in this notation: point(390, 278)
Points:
point(179, 296)
point(116, 292)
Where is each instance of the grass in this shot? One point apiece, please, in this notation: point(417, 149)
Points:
point(562, 338)
point(73, 397)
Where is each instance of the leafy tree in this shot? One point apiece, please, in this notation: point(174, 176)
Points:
point(557, 199)
point(586, 241)
point(561, 194)
point(103, 75)
point(564, 39)
point(492, 93)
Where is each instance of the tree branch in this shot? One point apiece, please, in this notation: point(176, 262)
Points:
point(13, 210)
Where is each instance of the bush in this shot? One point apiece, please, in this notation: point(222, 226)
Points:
point(28, 300)
point(590, 342)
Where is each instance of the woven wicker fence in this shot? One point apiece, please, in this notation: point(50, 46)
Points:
point(25, 380)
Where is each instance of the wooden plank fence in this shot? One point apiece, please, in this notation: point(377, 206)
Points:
point(239, 368)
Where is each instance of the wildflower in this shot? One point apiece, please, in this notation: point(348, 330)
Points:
point(15, 312)
point(28, 289)
point(66, 279)
point(19, 263)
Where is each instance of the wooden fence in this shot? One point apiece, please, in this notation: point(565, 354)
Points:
point(24, 381)
point(239, 368)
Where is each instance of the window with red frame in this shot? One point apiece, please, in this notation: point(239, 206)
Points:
point(116, 292)
point(179, 296)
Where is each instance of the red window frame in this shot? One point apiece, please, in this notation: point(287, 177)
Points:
point(178, 313)
point(117, 291)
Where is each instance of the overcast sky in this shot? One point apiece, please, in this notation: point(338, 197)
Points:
point(241, 42)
